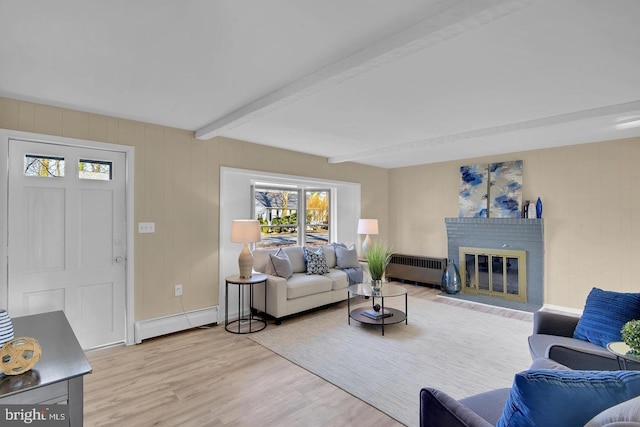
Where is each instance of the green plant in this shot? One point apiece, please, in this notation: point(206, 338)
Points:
point(378, 256)
point(631, 335)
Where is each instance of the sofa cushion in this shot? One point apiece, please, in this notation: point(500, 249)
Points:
point(625, 414)
point(546, 397)
point(281, 264)
point(489, 405)
point(339, 279)
point(315, 260)
point(546, 363)
point(301, 285)
point(296, 256)
point(604, 315)
point(346, 257)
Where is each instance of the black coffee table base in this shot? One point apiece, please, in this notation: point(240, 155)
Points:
point(388, 290)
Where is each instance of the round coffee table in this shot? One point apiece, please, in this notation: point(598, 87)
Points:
point(371, 316)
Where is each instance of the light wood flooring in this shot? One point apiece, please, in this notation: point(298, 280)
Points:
point(210, 377)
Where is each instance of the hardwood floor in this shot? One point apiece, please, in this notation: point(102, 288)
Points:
point(209, 377)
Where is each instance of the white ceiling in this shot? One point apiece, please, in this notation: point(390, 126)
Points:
point(378, 82)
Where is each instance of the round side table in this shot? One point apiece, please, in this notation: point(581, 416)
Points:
point(250, 318)
point(621, 351)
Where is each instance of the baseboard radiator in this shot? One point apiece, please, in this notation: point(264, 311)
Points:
point(417, 269)
point(150, 328)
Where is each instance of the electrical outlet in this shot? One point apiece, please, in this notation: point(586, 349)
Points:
point(178, 290)
point(146, 227)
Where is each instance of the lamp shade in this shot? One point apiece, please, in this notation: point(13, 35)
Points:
point(245, 231)
point(367, 226)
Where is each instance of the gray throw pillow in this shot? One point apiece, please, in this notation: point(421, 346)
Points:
point(281, 264)
point(346, 257)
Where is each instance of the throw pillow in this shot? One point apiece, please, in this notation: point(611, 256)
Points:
point(346, 257)
point(296, 256)
point(281, 264)
point(623, 414)
point(316, 261)
point(604, 315)
point(546, 397)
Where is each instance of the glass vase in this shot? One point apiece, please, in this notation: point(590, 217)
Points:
point(376, 285)
point(451, 282)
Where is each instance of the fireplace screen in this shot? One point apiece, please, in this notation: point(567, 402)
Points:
point(494, 272)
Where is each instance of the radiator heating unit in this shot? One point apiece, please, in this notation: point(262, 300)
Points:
point(418, 269)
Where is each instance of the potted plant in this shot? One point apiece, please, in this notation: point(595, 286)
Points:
point(378, 256)
point(631, 336)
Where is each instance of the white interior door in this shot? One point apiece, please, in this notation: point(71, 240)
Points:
point(67, 237)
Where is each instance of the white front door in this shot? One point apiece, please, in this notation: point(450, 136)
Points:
point(67, 237)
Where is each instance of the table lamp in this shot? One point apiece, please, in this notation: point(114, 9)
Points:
point(245, 231)
point(367, 226)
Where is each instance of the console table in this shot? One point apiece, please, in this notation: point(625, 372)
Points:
point(58, 375)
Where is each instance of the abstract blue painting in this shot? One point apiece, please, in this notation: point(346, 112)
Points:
point(491, 190)
point(505, 189)
point(474, 186)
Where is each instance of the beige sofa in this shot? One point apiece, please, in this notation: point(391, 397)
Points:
point(297, 290)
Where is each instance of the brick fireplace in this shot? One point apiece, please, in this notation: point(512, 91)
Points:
point(497, 235)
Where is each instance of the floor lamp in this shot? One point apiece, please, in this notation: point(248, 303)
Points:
point(245, 231)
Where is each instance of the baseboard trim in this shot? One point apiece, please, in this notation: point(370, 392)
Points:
point(562, 309)
point(158, 326)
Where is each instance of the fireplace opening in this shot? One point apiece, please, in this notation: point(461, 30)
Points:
point(497, 273)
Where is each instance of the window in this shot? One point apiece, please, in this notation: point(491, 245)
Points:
point(283, 214)
point(317, 216)
point(46, 166)
point(94, 169)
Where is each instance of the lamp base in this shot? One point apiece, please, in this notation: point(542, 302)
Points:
point(365, 246)
point(245, 262)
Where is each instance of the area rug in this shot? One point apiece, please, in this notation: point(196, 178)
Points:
point(458, 350)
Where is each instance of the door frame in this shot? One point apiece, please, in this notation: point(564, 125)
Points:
point(5, 136)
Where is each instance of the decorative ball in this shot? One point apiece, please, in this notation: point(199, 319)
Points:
point(631, 335)
point(19, 355)
point(376, 307)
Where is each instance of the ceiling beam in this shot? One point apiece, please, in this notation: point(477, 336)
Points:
point(407, 147)
point(466, 16)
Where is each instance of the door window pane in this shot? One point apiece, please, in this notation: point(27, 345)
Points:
point(47, 166)
point(94, 169)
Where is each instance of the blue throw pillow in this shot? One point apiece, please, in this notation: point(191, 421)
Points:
point(546, 397)
point(604, 315)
